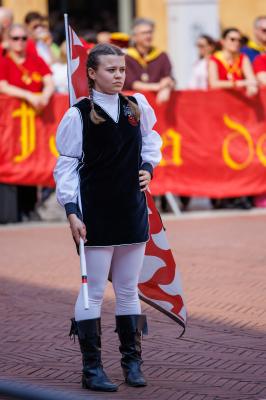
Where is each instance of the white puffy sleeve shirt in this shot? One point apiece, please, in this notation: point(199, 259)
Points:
point(69, 146)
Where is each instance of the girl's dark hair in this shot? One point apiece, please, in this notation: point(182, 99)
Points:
point(211, 42)
point(93, 62)
point(229, 30)
point(208, 39)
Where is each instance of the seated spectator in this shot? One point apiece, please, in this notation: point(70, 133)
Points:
point(147, 67)
point(257, 46)
point(46, 49)
point(259, 66)
point(6, 20)
point(40, 38)
point(59, 70)
point(229, 68)
point(25, 76)
point(199, 78)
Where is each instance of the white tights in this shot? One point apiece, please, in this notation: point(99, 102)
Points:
point(124, 263)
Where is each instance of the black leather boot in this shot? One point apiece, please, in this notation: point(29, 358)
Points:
point(129, 329)
point(89, 336)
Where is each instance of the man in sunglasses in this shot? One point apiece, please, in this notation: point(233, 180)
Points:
point(258, 45)
point(27, 77)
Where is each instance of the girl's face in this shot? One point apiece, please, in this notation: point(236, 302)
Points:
point(204, 48)
point(232, 42)
point(110, 75)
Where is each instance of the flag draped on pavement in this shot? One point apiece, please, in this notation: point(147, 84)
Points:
point(159, 283)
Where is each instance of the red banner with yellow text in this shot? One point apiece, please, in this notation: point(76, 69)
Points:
point(214, 143)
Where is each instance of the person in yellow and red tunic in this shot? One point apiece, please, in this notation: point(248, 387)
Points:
point(25, 76)
point(148, 68)
point(229, 69)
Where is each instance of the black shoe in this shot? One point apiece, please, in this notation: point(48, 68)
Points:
point(34, 216)
point(89, 336)
point(185, 200)
point(242, 203)
point(129, 329)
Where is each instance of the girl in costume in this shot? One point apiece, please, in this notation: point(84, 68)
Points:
point(108, 150)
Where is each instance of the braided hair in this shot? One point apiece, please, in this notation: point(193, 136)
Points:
point(93, 62)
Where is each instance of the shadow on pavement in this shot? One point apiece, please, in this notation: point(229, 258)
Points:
point(214, 360)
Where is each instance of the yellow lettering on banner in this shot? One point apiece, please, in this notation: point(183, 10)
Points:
point(27, 131)
point(52, 146)
point(260, 153)
point(173, 139)
point(239, 131)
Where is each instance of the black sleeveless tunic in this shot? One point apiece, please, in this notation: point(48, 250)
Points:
point(114, 209)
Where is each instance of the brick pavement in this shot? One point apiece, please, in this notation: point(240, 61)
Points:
point(223, 353)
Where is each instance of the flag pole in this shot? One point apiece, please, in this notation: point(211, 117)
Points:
point(68, 48)
point(83, 268)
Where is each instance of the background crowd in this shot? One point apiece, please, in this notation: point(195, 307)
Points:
point(33, 67)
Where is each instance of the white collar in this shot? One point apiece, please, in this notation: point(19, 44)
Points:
point(102, 98)
point(108, 102)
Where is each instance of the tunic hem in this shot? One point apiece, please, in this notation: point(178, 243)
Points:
point(115, 245)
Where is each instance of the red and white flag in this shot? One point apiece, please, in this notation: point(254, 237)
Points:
point(159, 284)
point(76, 65)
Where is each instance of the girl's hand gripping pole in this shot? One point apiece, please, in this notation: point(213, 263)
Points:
point(84, 278)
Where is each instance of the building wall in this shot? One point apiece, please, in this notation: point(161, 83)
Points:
point(157, 11)
point(241, 13)
point(22, 7)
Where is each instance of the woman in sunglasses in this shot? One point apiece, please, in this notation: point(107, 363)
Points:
point(229, 68)
point(27, 77)
point(22, 75)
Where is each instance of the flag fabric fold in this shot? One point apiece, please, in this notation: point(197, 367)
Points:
point(160, 283)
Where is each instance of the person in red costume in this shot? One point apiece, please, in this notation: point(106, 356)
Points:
point(259, 66)
point(229, 68)
point(27, 77)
